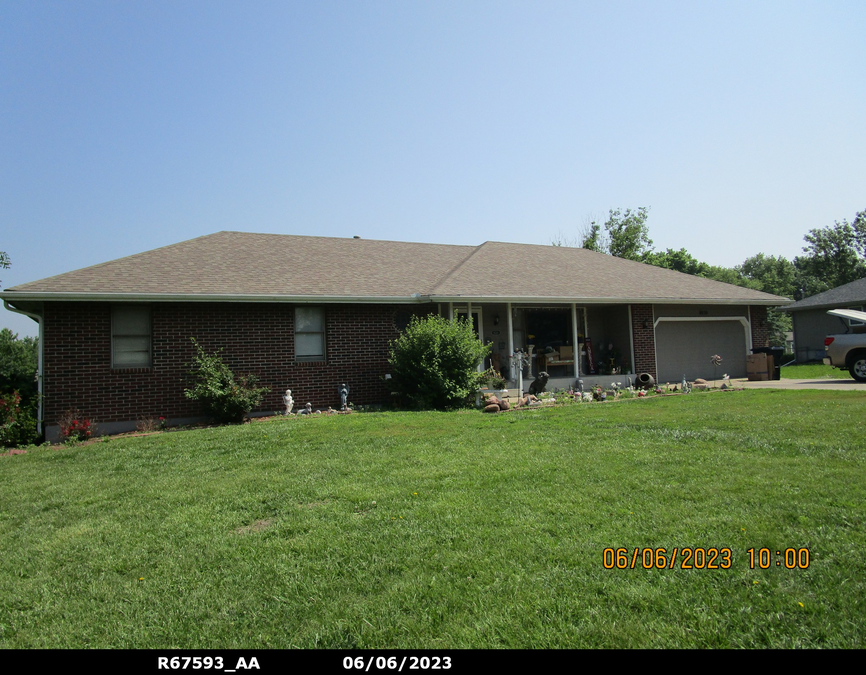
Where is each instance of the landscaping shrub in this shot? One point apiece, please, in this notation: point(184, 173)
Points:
point(75, 427)
point(17, 424)
point(215, 387)
point(435, 363)
point(19, 395)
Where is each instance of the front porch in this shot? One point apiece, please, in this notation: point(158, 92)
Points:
point(569, 342)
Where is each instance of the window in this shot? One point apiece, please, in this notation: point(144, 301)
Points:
point(309, 334)
point(130, 337)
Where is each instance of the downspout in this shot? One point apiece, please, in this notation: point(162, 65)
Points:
point(38, 319)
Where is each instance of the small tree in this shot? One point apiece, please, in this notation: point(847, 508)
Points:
point(215, 387)
point(435, 362)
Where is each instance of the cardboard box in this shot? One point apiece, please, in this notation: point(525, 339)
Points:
point(759, 367)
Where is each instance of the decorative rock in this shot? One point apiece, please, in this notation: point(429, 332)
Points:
point(504, 405)
point(492, 408)
point(700, 380)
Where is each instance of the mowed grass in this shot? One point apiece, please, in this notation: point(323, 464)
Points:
point(458, 530)
point(813, 371)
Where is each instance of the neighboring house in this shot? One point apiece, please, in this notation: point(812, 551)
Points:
point(307, 313)
point(812, 324)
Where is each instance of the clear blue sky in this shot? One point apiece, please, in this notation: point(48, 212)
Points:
point(125, 126)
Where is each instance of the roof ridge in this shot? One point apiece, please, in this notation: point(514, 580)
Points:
point(457, 267)
point(322, 236)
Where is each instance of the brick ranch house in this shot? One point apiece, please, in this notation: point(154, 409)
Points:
point(307, 313)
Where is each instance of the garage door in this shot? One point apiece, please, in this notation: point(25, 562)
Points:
point(685, 347)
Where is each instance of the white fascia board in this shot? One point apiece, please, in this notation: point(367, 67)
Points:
point(607, 301)
point(414, 298)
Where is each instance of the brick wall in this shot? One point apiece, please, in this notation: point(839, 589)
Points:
point(255, 338)
point(760, 329)
point(644, 339)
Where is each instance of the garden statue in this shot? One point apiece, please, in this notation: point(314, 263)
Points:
point(685, 384)
point(580, 385)
point(289, 401)
point(628, 379)
point(539, 383)
point(344, 396)
point(519, 360)
point(308, 410)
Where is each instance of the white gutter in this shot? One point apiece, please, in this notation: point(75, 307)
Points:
point(567, 300)
point(38, 319)
point(414, 298)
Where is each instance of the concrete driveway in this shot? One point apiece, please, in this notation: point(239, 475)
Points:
point(815, 383)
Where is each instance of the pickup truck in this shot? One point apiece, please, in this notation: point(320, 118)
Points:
point(847, 350)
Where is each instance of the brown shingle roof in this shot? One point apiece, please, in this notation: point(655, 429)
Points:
point(287, 266)
point(241, 263)
point(526, 270)
point(841, 296)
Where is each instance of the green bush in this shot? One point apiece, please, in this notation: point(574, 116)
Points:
point(215, 387)
point(19, 394)
point(435, 363)
point(17, 425)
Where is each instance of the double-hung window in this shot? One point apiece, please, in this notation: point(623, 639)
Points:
point(131, 337)
point(309, 334)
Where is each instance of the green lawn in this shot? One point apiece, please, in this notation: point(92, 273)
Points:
point(411, 530)
point(813, 371)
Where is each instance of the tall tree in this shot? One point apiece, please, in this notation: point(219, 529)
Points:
point(833, 256)
point(18, 363)
point(771, 274)
point(4, 260)
point(775, 275)
point(628, 233)
point(679, 261)
point(592, 239)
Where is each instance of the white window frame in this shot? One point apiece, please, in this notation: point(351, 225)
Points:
point(307, 358)
point(115, 352)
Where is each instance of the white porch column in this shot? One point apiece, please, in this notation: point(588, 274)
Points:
point(576, 346)
point(510, 332)
point(631, 339)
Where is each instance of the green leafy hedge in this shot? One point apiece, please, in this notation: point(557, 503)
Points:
point(435, 363)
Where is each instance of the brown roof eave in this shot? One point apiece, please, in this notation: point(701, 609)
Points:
point(20, 296)
point(770, 301)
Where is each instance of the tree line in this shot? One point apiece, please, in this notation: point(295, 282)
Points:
point(833, 256)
